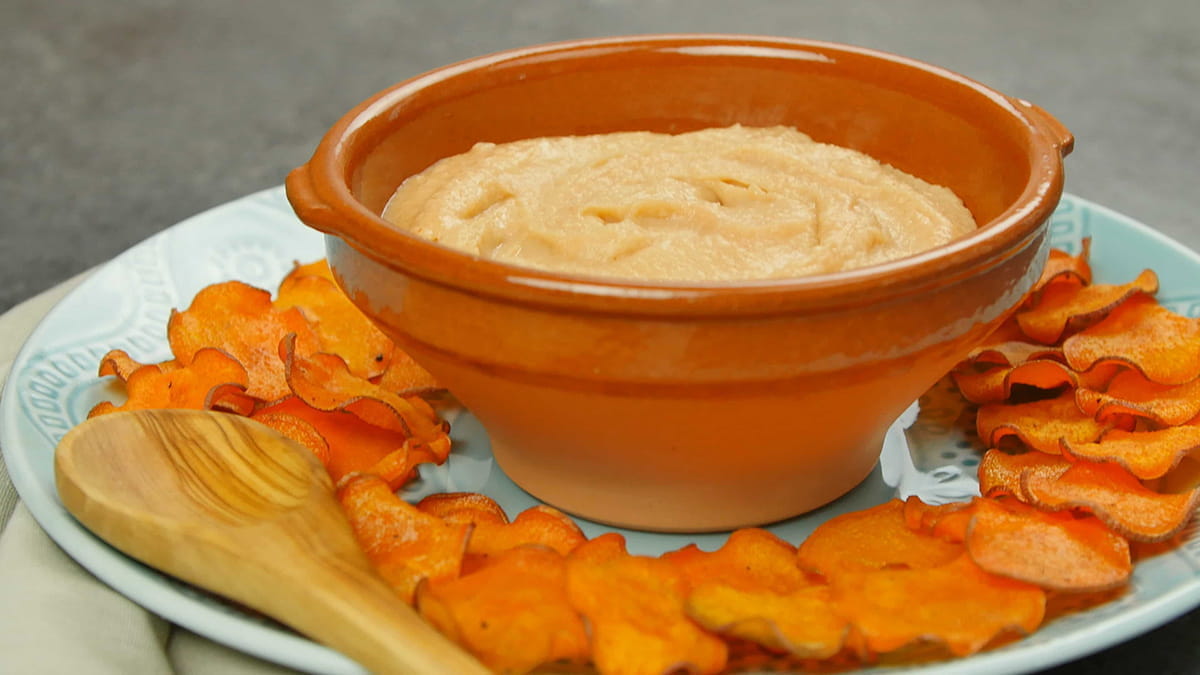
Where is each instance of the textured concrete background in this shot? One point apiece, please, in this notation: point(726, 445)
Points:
point(121, 117)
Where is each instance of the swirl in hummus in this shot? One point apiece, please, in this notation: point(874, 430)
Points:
point(718, 204)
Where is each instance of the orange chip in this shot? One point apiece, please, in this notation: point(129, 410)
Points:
point(1055, 551)
point(297, 429)
point(512, 614)
point(355, 446)
point(874, 538)
point(1161, 344)
point(324, 382)
point(316, 268)
point(1116, 497)
point(1039, 424)
point(957, 605)
point(212, 380)
point(1000, 472)
point(995, 385)
point(1067, 308)
point(241, 320)
point(542, 525)
point(751, 559)
point(1130, 393)
point(1014, 353)
point(405, 376)
point(340, 327)
point(121, 365)
point(802, 622)
point(1145, 454)
point(635, 607)
point(463, 507)
point(944, 521)
point(1062, 267)
point(404, 544)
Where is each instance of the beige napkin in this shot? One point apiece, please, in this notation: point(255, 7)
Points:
point(55, 617)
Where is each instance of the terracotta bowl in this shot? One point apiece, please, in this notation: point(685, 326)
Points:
point(689, 407)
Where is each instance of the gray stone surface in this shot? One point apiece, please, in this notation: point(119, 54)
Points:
point(121, 117)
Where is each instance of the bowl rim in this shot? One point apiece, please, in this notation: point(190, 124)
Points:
point(320, 193)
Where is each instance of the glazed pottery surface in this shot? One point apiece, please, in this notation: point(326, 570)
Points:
point(689, 407)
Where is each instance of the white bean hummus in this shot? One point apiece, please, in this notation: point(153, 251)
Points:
point(724, 204)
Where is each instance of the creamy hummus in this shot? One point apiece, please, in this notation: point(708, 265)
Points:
point(710, 205)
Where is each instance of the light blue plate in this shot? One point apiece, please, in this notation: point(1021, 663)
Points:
point(125, 304)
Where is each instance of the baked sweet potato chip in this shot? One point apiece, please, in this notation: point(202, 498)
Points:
point(802, 622)
point(750, 559)
point(463, 507)
point(1001, 472)
point(512, 613)
point(541, 525)
point(404, 544)
point(211, 380)
point(635, 608)
point(1162, 345)
point(119, 364)
point(339, 326)
point(1130, 393)
point(995, 385)
point(875, 538)
point(1116, 497)
point(956, 604)
point(355, 446)
point(324, 382)
point(298, 430)
point(241, 321)
point(1040, 424)
point(1056, 551)
point(1063, 268)
point(406, 377)
point(1145, 454)
point(1065, 308)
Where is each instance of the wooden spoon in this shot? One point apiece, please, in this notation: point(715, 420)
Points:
point(231, 506)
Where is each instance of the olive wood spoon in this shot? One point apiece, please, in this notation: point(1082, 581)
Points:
point(231, 506)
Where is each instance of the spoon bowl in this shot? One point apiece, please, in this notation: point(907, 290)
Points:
point(233, 507)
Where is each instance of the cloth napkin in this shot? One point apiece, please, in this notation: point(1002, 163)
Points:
point(55, 617)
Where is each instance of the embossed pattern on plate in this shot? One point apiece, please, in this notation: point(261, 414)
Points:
point(255, 239)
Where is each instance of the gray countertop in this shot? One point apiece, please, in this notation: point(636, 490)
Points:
point(120, 118)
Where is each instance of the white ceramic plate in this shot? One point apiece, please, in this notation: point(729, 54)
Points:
point(255, 239)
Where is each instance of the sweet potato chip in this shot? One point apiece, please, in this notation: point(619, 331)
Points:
point(944, 521)
point(121, 365)
point(341, 328)
point(995, 385)
point(240, 320)
point(1000, 472)
point(355, 446)
point(751, 559)
point(404, 544)
point(463, 507)
point(1062, 267)
point(316, 268)
point(1064, 308)
point(1116, 497)
point(1162, 345)
point(541, 525)
point(874, 538)
point(324, 382)
point(1055, 551)
point(1014, 353)
point(297, 429)
point(1039, 424)
point(406, 377)
point(1130, 393)
point(956, 604)
point(1145, 454)
point(635, 607)
point(802, 622)
point(212, 380)
point(512, 614)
